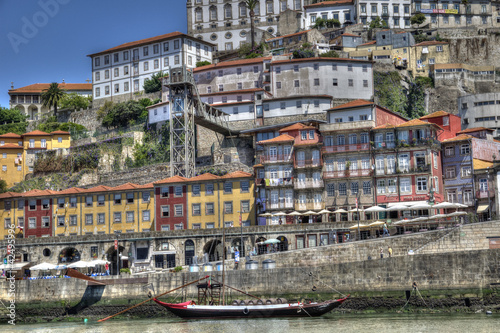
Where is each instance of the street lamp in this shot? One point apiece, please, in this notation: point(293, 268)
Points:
point(241, 234)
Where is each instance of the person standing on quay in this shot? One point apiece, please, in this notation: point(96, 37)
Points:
point(390, 251)
point(381, 253)
point(386, 231)
point(107, 268)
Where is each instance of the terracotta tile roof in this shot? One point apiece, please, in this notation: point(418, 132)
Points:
point(280, 138)
point(203, 177)
point(124, 187)
point(147, 41)
point(39, 193)
point(369, 43)
point(8, 195)
point(289, 35)
point(353, 104)
point(240, 62)
point(170, 180)
point(60, 132)
point(157, 104)
point(349, 35)
point(460, 137)
point(258, 166)
point(230, 104)
point(11, 146)
point(435, 115)
point(72, 190)
point(100, 188)
point(385, 126)
point(40, 87)
point(35, 132)
point(10, 136)
point(320, 59)
point(430, 43)
point(146, 186)
point(296, 127)
point(475, 129)
point(237, 174)
point(480, 164)
point(328, 3)
point(414, 122)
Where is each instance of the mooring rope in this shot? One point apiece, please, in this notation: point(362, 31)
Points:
point(416, 291)
point(323, 283)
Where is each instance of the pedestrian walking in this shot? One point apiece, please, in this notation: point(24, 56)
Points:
point(390, 251)
point(107, 268)
point(381, 253)
point(386, 231)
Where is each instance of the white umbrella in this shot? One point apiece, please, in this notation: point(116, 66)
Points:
point(445, 205)
point(438, 216)
point(60, 266)
point(354, 210)
point(310, 212)
point(79, 264)
point(269, 241)
point(456, 214)
point(401, 222)
point(376, 224)
point(294, 214)
point(397, 208)
point(418, 219)
point(459, 205)
point(375, 209)
point(266, 214)
point(99, 262)
point(44, 266)
point(279, 214)
point(324, 211)
point(340, 210)
point(356, 226)
point(421, 206)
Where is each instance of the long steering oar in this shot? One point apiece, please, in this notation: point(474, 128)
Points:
point(104, 319)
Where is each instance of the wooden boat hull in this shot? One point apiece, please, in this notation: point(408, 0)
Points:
point(189, 310)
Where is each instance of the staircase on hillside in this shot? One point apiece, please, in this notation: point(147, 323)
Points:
point(449, 233)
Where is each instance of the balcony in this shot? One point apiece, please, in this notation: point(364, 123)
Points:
point(344, 174)
point(352, 125)
point(281, 204)
point(311, 163)
point(276, 182)
point(345, 148)
point(485, 194)
point(384, 145)
point(308, 184)
point(276, 159)
point(308, 205)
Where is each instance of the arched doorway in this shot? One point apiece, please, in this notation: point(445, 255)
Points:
point(69, 255)
point(261, 248)
point(189, 251)
point(283, 244)
point(213, 249)
point(236, 244)
point(33, 112)
point(111, 256)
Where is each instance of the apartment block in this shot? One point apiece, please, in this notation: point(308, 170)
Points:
point(455, 14)
point(121, 71)
point(395, 13)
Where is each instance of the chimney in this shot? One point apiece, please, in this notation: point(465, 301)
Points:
point(63, 81)
point(11, 85)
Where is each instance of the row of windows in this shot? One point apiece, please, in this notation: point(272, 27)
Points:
point(450, 150)
point(354, 186)
point(242, 10)
point(389, 186)
point(465, 171)
point(385, 9)
point(407, 22)
point(19, 168)
point(228, 208)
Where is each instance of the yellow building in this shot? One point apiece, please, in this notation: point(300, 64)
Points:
point(12, 213)
point(18, 152)
point(67, 210)
point(425, 54)
point(216, 201)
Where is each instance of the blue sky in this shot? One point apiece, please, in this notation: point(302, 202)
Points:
point(40, 45)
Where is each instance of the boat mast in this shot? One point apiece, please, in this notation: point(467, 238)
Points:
point(223, 256)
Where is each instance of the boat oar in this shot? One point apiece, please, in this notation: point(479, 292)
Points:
point(241, 291)
point(104, 319)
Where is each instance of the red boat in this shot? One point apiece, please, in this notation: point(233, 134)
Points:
point(191, 310)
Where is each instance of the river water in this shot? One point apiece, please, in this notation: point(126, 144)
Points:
point(373, 323)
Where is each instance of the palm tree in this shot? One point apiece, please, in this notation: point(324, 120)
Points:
point(251, 6)
point(51, 96)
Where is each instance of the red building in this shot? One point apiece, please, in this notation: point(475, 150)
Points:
point(407, 171)
point(38, 213)
point(450, 124)
point(171, 204)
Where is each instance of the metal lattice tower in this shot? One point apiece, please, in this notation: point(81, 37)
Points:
point(186, 110)
point(182, 144)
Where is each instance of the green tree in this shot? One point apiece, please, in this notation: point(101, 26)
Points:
point(52, 96)
point(3, 186)
point(11, 116)
point(417, 19)
point(378, 23)
point(124, 114)
point(154, 83)
point(75, 101)
point(251, 7)
point(330, 23)
point(319, 24)
point(202, 63)
point(104, 110)
point(329, 54)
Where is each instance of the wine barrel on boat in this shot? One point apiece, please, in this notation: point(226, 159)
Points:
point(218, 266)
point(208, 267)
point(194, 268)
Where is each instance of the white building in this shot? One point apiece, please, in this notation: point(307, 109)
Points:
point(396, 13)
point(254, 89)
point(28, 99)
point(342, 10)
point(121, 71)
point(227, 23)
point(457, 13)
point(159, 113)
